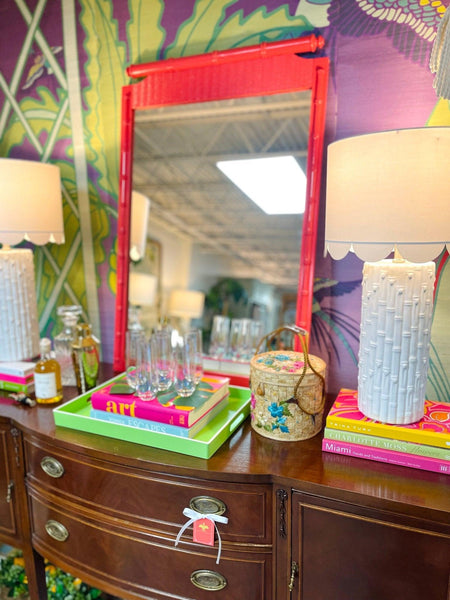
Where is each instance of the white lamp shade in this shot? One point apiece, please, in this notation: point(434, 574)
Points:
point(30, 202)
point(140, 207)
point(186, 304)
point(387, 190)
point(142, 289)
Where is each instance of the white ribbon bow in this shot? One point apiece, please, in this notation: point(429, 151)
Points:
point(195, 516)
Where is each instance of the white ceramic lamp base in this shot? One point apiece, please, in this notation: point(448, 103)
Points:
point(19, 328)
point(397, 306)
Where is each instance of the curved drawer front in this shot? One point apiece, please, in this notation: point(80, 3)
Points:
point(147, 565)
point(155, 499)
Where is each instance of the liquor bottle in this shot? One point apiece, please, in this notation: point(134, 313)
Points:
point(47, 376)
point(85, 357)
point(64, 340)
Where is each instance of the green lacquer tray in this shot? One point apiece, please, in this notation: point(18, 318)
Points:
point(75, 414)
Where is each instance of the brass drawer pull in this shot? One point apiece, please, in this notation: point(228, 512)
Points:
point(207, 505)
point(208, 580)
point(56, 530)
point(52, 467)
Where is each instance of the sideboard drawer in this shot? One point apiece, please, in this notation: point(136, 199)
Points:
point(156, 500)
point(129, 559)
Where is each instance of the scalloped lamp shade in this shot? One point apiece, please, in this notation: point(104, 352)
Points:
point(391, 191)
point(31, 210)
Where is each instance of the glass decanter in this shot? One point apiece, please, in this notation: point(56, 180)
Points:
point(69, 316)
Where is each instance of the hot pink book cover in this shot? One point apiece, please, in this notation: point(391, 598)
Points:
point(404, 459)
point(17, 378)
point(432, 429)
point(167, 407)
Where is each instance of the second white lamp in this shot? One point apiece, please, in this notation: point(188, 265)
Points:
point(391, 191)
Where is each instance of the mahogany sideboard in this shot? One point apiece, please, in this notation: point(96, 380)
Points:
point(301, 523)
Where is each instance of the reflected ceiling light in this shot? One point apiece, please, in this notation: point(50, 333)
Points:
point(276, 184)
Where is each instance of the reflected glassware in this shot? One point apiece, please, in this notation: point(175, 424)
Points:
point(233, 346)
point(132, 339)
point(194, 338)
point(241, 339)
point(146, 373)
point(256, 334)
point(161, 347)
point(184, 358)
point(62, 342)
point(220, 331)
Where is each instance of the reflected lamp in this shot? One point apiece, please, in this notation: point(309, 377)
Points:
point(386, 192)
point(31, 210)
point(140, 207)
point(141, 293)
point(186, 305)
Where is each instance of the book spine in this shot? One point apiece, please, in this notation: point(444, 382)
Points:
point(140, 423)
point(386, 443)
point(424, 463)
point(167, 414)
point(419, 436)
point(11, 386)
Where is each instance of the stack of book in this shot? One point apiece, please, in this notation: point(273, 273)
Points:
point(17, 376)
point(167, 413)
point(422, 445)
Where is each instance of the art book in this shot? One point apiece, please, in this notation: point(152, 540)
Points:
point(187, 432)
point(433, 429)
point(426, 463)
point(168, 407)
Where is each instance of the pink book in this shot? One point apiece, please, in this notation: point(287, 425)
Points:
point(403, 459)
point(433, 429)
point(168, 407)
point(17, 379)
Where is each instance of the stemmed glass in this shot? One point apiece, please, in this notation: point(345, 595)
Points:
point(161, 348)
point(193, 339)
point(146, 374)
point(133, 339)
point(185, 371)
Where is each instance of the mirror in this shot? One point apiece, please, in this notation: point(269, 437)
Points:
point(193, 97)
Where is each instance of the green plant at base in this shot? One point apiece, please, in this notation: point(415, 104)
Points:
point(60, 585)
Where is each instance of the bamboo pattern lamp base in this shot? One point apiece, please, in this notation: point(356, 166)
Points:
point(19, 330)
point(397, 306)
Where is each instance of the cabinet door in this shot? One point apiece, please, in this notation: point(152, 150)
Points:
point(349, 552)
point(7, 514)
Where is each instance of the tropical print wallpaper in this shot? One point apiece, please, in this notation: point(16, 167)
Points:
point(62, 66)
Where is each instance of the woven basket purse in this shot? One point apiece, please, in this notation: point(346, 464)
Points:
point(288, 390)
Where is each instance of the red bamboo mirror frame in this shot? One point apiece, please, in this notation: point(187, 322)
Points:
point(265, 69)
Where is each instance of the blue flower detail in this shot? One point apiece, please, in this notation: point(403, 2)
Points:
point(282, 357)
point(275, 410)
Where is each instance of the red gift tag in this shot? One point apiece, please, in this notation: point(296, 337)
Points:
point(203, 532)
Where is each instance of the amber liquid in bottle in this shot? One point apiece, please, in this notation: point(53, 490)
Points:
point(47, 376)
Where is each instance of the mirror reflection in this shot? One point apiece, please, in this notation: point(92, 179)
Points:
point(204, 234)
